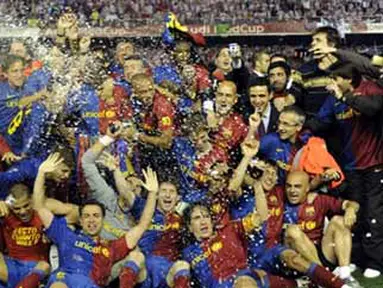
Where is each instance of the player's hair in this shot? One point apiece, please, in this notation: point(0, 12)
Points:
point(67, 154)
point(332, 34)
point(19, 191)
point(92, 202)
point(281, 64)
point(259, 81)
point(168, 178)
point(348, 71)
point(297, 111)
point(278, 55)
point(121, 44)
point(257, 55)
point(229, 83)
point(141, 77)
point(189, 210)
point(194, 124)
point(133, 57)
point(10, 60)
point(184, 43)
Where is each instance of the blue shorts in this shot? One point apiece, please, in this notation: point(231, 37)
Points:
point(157, 269)
point(262, 282)
point(270, 260)
point(71, 280)
point(17, 270)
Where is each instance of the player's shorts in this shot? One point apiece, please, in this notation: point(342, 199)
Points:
point(157, 269)
point(261, 280)
point(17, 270)
point(71, 280)
point(270, 260)
point(323, 259)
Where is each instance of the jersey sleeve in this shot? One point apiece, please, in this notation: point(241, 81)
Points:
point(332, 205)
point(58, 231)
point(119, 249)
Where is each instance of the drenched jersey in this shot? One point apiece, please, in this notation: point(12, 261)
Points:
point(311, 216)
point(163, 237)
point(231, 132)
point(193, 168)
point(358, 134)
point(219, 258)
point(22, 126)
point(160, 118)
point(80, 254)
point(118, 109)
point(270, 235)
point(25, 241)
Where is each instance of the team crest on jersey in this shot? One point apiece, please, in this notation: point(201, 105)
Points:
point(216, 208)
point(227, 133)
point(216, 246)
point(273, 199)
point(310, 211)
point(166, 121)
point(105, 252)
point(60, 275)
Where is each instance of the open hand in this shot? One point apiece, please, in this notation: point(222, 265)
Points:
point(151, 183)
point(51, 164)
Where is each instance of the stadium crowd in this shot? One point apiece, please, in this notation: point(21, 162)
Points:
point(124, 13)
point(166, 171)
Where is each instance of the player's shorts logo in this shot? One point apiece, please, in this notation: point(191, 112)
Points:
point(60, 275)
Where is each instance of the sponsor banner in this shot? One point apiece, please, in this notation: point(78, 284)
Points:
point(155, 30)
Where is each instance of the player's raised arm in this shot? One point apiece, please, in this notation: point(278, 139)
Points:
point(38, 196)
point(152, 186)
point(249, 149)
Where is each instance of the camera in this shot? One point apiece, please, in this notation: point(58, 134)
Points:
point(114, 128)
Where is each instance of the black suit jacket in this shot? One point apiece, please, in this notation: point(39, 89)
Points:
point(272, 127)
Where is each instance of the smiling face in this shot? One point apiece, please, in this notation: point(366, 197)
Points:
point(259, 98)
point(182, 53)
point(201, 225)
point(297, 187)
point(91, 220)
point(167, 197)
point(124, 50)
point(225, 98)
point(288, 126)
point(15, 74)
point(133, 67)
point(143, 89)
point(269, 177)
point(223, 61)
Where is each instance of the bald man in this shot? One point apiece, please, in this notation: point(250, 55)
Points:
point(229, 126)
point(305, 215)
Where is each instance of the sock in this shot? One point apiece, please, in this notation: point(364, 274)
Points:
point(32, 280)
point(128, 275)
point(277, 281)
point(344, 272)
point(322, 277)
point(181, 279)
